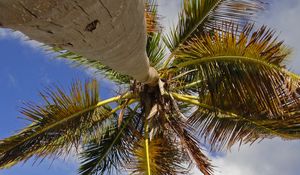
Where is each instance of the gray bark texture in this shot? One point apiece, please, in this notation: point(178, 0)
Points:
point(111, 31)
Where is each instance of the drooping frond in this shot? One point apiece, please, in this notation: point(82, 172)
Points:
point(222, 128)
point(58, 125)
point(111, 151)
point(199, 16)
point(245, 71)
point(191, 145)
point(95, 65)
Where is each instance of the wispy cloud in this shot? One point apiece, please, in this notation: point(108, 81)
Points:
point(12, 80)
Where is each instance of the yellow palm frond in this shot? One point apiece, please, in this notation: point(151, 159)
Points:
point(58, 125)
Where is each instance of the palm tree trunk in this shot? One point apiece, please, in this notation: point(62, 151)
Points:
point(111, 31)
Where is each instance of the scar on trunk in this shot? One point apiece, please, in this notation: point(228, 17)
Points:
point(92, 26)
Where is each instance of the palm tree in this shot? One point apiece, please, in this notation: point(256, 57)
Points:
point(222, 82)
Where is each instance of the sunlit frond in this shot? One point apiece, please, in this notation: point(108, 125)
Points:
point(258, 44)
point(58, 125)
point(241, 73)
point(199, 16)
point(151, 16)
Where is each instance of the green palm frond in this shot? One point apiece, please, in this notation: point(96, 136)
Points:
point(245, 71)
point(199, 16)
point(58, 125)
point(96, 66)
point(155, 50)
point(111, 151)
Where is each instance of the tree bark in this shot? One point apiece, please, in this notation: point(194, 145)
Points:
point(111, 31)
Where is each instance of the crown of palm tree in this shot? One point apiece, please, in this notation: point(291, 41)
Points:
point(223, 82)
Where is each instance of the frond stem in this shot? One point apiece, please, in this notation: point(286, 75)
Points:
point(147, 147)
point(235, 58)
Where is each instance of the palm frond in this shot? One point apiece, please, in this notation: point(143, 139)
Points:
point(165, 157)
point(58, 125)
point(221, 128)
point(245, 71)
point(152, 24)
point(258, 44)
point(155, 50)
point(96, 66)
point(191, 145)
point(200, 16)
point(111, 151)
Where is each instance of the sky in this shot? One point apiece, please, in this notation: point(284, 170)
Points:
point(25, 69)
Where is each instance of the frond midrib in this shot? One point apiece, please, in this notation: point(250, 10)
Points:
point(236, 58)
point(99, 104)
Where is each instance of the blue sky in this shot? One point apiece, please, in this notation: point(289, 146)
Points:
point(25, 70)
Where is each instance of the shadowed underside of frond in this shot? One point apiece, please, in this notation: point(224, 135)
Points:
point(111, 151)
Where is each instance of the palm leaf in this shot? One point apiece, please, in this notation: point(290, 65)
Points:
point(58, 125)
point(151, 16)
point(246, 71)
point(222, 128)
point(191, 145)
point(165, 157)
point(155, 50)
point(199, 16)
point(111, 151)
point(94, 65)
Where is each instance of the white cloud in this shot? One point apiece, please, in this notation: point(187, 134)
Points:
point(269, 157)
